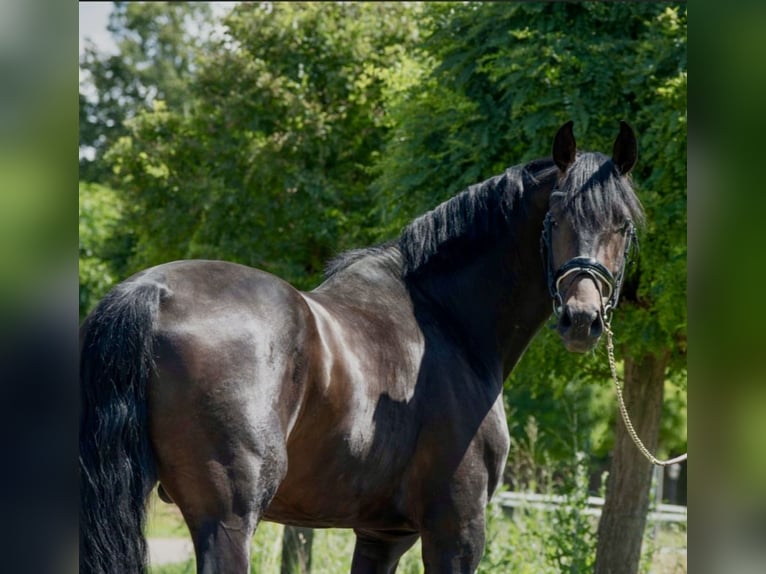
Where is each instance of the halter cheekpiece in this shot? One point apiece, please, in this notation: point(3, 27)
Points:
point(608, 285)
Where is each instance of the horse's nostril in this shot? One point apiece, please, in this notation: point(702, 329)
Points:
point(566, 319)
point(597, 327)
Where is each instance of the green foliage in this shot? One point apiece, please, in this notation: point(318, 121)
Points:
point(558, 539)
point(158, 44)
point(188, 567)
point(268, 165)
point(573, 538)
point(103, 246)
point(498, 80)
point(503, 78)
point(520, 543)
point(657, 318)
point(537, 541)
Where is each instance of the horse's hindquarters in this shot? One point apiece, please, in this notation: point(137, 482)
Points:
point(229, 379)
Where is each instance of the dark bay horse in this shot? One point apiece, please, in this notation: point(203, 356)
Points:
point(373, 402)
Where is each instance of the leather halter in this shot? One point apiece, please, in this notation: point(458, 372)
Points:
point(607, 284)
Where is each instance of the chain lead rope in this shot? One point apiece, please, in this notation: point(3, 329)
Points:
point(624, 411)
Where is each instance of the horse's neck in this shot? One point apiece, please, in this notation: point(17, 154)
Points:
point(494, 305)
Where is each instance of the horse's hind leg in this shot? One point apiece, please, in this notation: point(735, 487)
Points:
point(377, 553)
point(223, 544)
point(220, 458)
point(222, 498)
point(222, 501)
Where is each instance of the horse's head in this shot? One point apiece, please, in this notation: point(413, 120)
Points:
point(587, 234)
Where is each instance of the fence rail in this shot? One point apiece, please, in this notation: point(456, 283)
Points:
point(511, 500)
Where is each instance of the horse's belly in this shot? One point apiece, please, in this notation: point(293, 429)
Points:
point(342, 482)
point(336, 503)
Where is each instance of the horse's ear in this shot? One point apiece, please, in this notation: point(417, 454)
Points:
point(564, 146)
point(625, 151)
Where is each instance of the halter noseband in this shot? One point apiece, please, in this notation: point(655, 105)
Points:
point(607, 284)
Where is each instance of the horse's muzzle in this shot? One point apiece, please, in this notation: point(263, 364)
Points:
point(580, 326)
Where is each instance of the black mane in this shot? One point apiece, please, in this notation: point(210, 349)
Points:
point(596, 196)
point(348, 258)
point(473, 218)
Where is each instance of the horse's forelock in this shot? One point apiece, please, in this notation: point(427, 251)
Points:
point(597, 196)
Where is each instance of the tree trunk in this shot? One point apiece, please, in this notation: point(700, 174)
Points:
point(623, 519)
point(296, 550)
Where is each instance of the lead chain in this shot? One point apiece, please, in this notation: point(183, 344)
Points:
point(624, 411)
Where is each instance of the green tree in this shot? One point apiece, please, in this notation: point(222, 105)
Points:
point(157, 45)
point(268, 166)
point(654, 322)
point(103, 246)
point(502, 78)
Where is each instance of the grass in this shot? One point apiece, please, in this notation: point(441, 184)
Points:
point(332, 548)
point(516, 544)
point(164, 520)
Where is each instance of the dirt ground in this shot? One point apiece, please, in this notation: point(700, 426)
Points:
point(169, 550)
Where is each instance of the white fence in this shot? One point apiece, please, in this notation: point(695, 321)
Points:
point(662, 513)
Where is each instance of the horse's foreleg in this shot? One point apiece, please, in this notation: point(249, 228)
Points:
point(379, 554)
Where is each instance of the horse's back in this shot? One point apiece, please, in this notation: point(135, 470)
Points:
point(216, 314)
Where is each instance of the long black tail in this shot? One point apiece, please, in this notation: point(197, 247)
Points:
point(117, 468)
